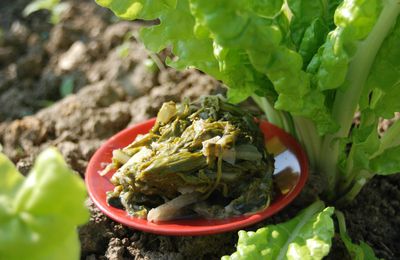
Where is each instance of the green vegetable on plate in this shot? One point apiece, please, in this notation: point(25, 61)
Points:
point(206, 159)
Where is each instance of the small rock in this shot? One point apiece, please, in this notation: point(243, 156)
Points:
point(95, 49)
point(94, 235)
point(140, 81)
point(115, 250)
point(7, 54)
point(169, 75)
point(48, 86)
point(21, 137)
point(75, 56)
point(19, 33)
point(30, 66)
point(4, 81)
point(91, 257)
point(89, 147)
point(61, 38)
point(114, 34)
point(25, 165)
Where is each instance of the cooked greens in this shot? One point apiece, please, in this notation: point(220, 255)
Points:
point(205, 158)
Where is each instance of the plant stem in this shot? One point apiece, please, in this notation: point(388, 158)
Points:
point(347, 97)
point(278, 118)
point(308, 137)
point(353, 192)
point(310, 211)
point(301, 128)
point(341, 221)
point(346, 100)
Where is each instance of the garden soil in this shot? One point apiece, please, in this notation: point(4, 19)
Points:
point(74, 84)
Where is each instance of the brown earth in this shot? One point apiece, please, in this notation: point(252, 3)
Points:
point(74, 84)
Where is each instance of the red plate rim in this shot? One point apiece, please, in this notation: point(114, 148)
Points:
point(97, 186)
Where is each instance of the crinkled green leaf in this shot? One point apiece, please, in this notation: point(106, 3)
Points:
point(313, 37)
point(176, 29)
point(255, 37)
point(260, 38)
point(305, 13)
point(266, 8)
point(310, 24)
point(239, 75)
point(39, 220)
point(307, 236)
point(354, 20)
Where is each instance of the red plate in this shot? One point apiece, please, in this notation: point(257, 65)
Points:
point(98, 186)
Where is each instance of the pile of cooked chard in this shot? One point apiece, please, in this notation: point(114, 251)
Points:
point(201, 159)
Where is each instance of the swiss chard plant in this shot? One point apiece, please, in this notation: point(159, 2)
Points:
point(39, 214)
point(310, 65)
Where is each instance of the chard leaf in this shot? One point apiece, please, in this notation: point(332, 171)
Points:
point(357, 252)
point(309, 25)
point(304, 14)
point(313, 37)
point(40, 214)
point(365, 142)
point(176, 29)
point(266, 8)
point(383, 84)
point(240, 76)
point(354, 20)
point(245, 44)
point(260, 38)
point(388, 162)
point(307, 236)
point(263, 40)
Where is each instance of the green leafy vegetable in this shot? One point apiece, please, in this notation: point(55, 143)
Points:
point(314, 63)
point(307, 236)
point(39, 214)
point(310, 65)
point(205, 157)
point(357, 252)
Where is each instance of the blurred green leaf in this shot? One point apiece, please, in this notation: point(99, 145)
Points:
point(39, 214)
point(54, 6)
point(67, 86)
